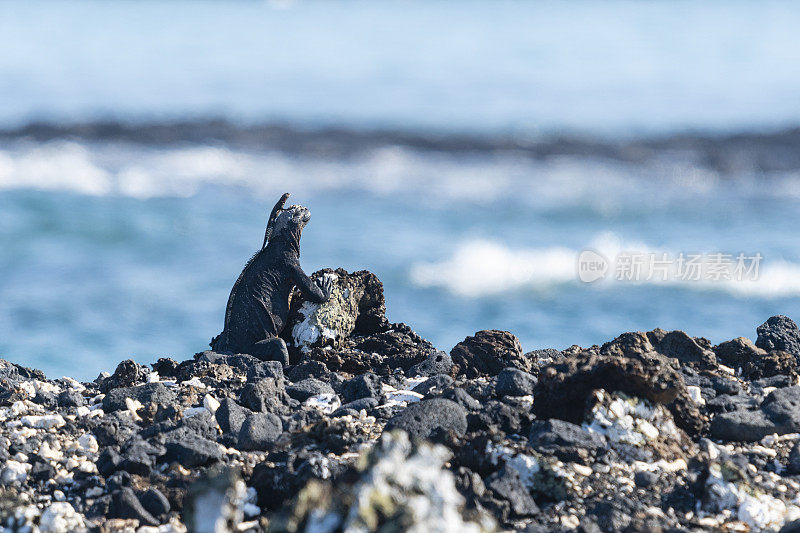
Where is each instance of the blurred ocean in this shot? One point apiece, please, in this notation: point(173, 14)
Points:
point(466, 152)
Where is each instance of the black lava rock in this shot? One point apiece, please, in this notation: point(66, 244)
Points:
point(364, 386)
point(127, 374)
point(779, 413)
point(421, 419)
point(230, 416)
point(556, 432)
point(434, 385)
point(42, 471)
point(305, 389)
point(497, 416)
point(438, 362)
point(779, 333)
point(259, 431)
point(154, 502)
point(203, 424)
point(514, 382)
point(156, 393)
point(46, 399)
point(507, 485)
point(265, 369)
point(108, 461)
point(307, 369)
point(357, 405)
point(726, 403)
point(748, 426)
point(267, 395)
point(645, 479)
point(165, 367)
point(462, 398)
point(125, 504)
point(487, 353)
point(138, 456)
point(793, 465)
point(71, 398)
point(189, 450)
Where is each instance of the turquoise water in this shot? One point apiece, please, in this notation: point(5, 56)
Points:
point(112, 249)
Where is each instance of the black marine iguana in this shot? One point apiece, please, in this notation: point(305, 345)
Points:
point(259, 302)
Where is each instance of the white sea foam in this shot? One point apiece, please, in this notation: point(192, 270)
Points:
point(478, 268)
point(602, 187)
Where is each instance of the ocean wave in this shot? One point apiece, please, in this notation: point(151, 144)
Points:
point(480, 268)
point(140, 171)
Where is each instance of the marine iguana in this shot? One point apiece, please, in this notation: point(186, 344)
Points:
point(259, 302)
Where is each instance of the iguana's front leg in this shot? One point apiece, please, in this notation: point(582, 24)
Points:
point(318, 292)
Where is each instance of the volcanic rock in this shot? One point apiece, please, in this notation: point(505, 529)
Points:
point(145, 394)
point(356, 306)
point(487, 353)
point(364, 386)
point(628, 365)
point(514, 382)
point(779, 333)
point(259, 431)
point(421, 419)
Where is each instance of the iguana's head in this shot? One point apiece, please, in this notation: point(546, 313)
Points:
point(291, 220)
point(286, 222)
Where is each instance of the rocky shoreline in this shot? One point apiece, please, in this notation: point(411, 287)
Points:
point(371, 428)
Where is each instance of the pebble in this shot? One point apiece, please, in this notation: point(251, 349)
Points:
point(44, 421)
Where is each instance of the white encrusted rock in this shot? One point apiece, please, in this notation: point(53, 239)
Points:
point(630, 420)
point(44, 421)
point(88, 443)
point(324, 322)
point(60, 517)
point(326, 402)
point(14, 471)
point(210, 403)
